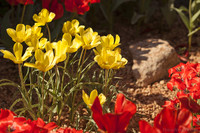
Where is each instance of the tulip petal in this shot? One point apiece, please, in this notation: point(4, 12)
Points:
point(8, 55)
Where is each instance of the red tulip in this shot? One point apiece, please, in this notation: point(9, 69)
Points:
point(79, 6)
point(116, 122)
point(169, 121)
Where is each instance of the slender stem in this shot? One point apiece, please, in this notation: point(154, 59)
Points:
point(190, 43)
point(42, 91)
point(190, 26)
point(72, 108)
point(106, 81)
point(49, 33)
point(83, 56)
point(23, 12)
point(80, 58)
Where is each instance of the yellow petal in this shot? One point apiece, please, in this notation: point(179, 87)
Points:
point(93, 96)
point(85, 98)
point(30, 65)
point(51, 16)
point(102, 99)
point(39, 55)
point(11, 33)
point(9, 55)
point(17, 49)
point(27, 53)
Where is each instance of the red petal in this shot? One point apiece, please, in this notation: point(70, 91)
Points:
point(146, 128)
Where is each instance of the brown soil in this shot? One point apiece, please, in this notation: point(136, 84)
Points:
point(149, 100)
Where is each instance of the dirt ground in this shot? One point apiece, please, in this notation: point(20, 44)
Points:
point(149, 100)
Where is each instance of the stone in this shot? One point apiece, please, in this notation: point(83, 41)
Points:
point(151, 60)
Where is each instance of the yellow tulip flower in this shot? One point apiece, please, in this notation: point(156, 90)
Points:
point(36, 43)
point(19, 35)
point(35, 31)
point(44, 61)
point(17, 58)
point(107, 42)
point(72, 27)
point(72, 46)
point(89, 38)
point(89, 100)
point(109, 59)
point(43, 17)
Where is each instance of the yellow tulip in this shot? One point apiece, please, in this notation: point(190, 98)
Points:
point(19, 35)
point(72, 46)
point(107, 42)
point(72, 27)
point(43, 17)
point(35, 31)
point(44, 61)
point(89, 100)
point(109, 59)
point(36, 43)
point(89, 38)
point(17, 58)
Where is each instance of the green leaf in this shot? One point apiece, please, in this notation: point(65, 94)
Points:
point(15, 102)
point(183, 17)
point(195, 16)
point(194, 31)
point(136, 17)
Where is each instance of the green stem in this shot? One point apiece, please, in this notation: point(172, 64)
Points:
point(42, 91)
point(190, 43)
point(190, 26)
point(106, 81)
point(80, 58)
point(49, 33)
point(72, 108)
point(23, 12)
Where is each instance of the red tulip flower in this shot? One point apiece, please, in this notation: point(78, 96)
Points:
point(53, 6)
point(114, 122)
point(9, 123)
point(79, 6)
point(169, 121)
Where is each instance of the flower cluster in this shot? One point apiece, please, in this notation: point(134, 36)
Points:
point(10, 123)
point(186, 78)
point(74, 37)
point(117, 122)
point(57, 89)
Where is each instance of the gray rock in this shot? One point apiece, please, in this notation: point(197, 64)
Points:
point(151, 60)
